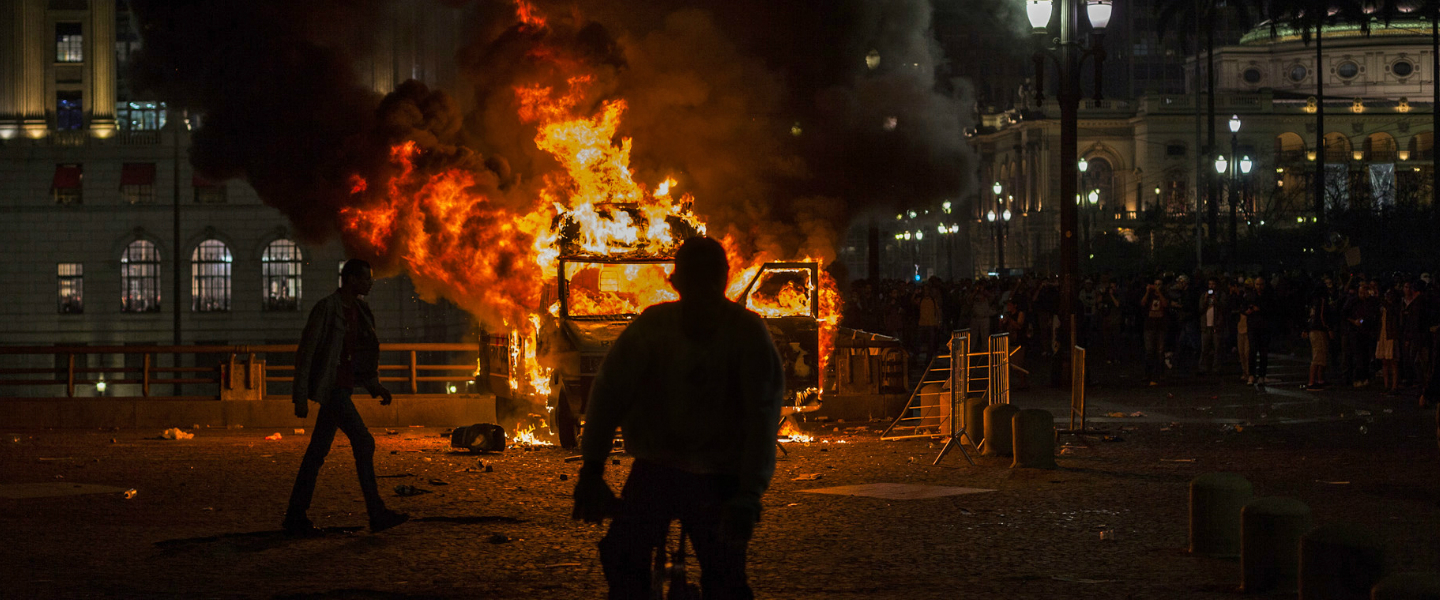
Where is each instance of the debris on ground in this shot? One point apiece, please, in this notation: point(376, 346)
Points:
point(395, 475)
point(496, 538)
point(273, 437)
point(175, 433)
point(1178, 460)
point(809, 477)
point(437, 482)
point(129, 494)
point(299, 432)
point(409, 490)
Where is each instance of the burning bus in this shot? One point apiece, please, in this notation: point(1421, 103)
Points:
point(595, 296)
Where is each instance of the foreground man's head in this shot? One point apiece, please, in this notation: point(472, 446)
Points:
point(701, 269)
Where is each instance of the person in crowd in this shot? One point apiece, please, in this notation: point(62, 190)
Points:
point(982, 311)
point(1239, 300)
point(1387, 335)
point(1155, 305)
point(1414, 333)
point(1363, 315)
point(1318, 332)
point(1212, 313)
point(697, 387)
point(338, 352)
point(1259, 313)
point(930, 317)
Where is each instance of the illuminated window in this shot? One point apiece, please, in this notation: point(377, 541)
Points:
point(65, 186)
point(140, 277)
point(210, 277)
point(137, 183)
point(280, 266)
point(69, 43)
point(140, 116)
point(71, 277)
point(69, 112)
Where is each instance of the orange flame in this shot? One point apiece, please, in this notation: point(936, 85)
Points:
point(495, 256)
point(528, 14)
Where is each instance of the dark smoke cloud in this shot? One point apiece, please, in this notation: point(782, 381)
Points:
point(714, 89)
point(281, 104)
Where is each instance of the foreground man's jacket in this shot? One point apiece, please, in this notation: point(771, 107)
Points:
point(706, 400)
point(318, 357)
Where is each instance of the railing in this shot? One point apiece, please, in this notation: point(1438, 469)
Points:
point(139, 138)
point(238, 372)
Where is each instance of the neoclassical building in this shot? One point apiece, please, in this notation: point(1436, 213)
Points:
point(1141, 154)
point(94, 174)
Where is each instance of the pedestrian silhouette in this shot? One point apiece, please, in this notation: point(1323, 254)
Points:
point(339, 351)
point(696, 387)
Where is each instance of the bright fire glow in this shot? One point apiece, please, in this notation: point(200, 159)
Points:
point(494, 253)
point(527, 437)
point(793, 433)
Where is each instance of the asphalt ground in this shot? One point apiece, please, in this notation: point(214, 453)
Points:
point(204, 519)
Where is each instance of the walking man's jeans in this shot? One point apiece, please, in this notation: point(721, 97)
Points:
point(1154, 353)
point(337, 413)
point(1209, 349)
point(653, 496)
point(1260, 354)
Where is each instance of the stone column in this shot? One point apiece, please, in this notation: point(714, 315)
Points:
point(9, 59)
point(101, 48)
point(30, 81)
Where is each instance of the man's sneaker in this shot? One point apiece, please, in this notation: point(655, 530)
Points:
point(300, 527)
point(1250, 380)
point(387, 519)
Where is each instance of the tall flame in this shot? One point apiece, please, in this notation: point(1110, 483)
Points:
point(494, 255)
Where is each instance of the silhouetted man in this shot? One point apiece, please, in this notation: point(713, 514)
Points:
point(696, 387)
point(339, 351)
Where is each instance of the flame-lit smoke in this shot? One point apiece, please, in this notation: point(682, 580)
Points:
point(573, 135)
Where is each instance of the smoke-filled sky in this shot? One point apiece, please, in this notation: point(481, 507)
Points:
point(714, 90)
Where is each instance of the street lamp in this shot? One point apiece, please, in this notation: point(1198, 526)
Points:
point(1083, 165)
point(1000, 225)
point(1221, 165)
point(1234, 153)
point(1069, 54)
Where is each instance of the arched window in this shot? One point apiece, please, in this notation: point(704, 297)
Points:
point(1290, 148)
point(140, 277)
point(210, 277)
point(280, 266)
point(1337, 148)
point(1380, 148)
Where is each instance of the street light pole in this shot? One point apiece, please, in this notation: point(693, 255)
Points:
point(1068, 55)
point(1234, 155)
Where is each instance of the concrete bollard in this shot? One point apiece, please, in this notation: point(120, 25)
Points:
point(1216, 500)
point(997, 429)
point(1270, 530)
point(1407, 586)
point(975, 419)
point(1034, 439)
point(1340, 561)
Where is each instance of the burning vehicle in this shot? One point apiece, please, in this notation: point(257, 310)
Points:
point(594, 297)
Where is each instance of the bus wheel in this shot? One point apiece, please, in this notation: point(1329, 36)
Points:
point(567, 426)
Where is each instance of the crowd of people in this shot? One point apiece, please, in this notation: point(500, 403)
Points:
point(1361, 331)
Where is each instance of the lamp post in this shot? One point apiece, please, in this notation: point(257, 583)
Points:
point(1092, 200)
point(1000, 224)
point(1245, 165)
point(1234, 153)
point(1069, 54)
